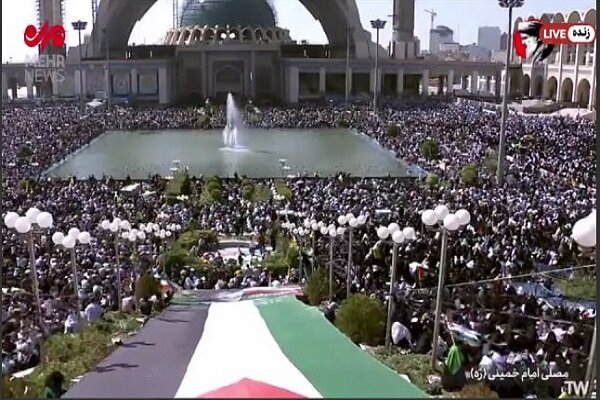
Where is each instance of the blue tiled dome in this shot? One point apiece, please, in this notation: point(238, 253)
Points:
point(227, 12)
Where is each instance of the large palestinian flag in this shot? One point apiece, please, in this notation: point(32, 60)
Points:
point(263, 348)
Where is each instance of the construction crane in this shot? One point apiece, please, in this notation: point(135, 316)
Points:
point(433, 15)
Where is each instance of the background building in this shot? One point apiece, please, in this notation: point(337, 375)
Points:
point(488, 37)
point(504, 41)
point(216, 47)
point(439, 35)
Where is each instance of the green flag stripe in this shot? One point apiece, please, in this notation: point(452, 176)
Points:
point(331, 362)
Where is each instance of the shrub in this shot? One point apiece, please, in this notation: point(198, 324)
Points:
point(213, 186)
point(276, 263)
point(432, 181)
point(213, 178)
point(430, 149)
point(186, 185)
point(147, 286)
point(215, 195)
point(317, 286)
point(261, 193)
point(362, 319)
point(393, 131)
point(283, 190)
point(469, 174)
point(247, 192)
point(24, 152)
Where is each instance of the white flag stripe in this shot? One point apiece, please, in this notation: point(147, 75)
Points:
point(237, 344)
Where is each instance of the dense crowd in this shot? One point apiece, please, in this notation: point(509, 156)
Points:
point(514, 229)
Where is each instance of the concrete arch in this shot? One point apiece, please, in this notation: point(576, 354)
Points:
point(583, 92)
point(552, 87)
point(259, 35)
point(525, 85)
point(269, 35)
point(279, 35)
point(234, 34)
point(566, 90)
point(590, 16)
point(221, 33)
point(558, 18)
point(196, 35)
point(573, 17)
point(538, 87)
point(208, 35)
point(335, 16)
point(247, 35)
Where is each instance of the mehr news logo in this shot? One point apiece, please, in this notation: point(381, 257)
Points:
point(535, 40)
point(45, 67)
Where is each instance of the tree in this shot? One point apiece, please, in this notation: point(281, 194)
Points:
point(186, 185)
point(362, 319)
point(430, 149)
point(393, 131)
point(432, 181)
point(317, 286)
point(469, 175)
point(147, 286)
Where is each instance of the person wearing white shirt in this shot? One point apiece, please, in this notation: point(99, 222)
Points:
point(93, 312)
point(71, 324)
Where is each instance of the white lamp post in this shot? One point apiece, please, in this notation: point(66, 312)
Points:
point(68, 242)
point(398, 237)
point(353, 223)
point(332, 232)
point(584, 234)
point(26, 226)
point(116, 227)
point(315, 227)
point(446, 223)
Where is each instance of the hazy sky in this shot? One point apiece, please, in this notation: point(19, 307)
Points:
point(463, 16)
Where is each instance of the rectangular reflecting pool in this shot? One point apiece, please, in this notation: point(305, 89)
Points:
point(139, 154)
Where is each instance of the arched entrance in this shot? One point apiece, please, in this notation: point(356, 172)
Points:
point(228, 78)
point(583, 93)
point(538, 87)
point(526, 85)
point(566, 91)
point(552, 88)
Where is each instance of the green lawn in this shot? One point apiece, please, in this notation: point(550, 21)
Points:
point(72, 355)
point(580, 287)
point(417, 368)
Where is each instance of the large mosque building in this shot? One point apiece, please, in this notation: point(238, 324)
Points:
point(222, 46)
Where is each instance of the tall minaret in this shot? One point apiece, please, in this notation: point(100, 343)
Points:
point(403, 38)
point(53, 12)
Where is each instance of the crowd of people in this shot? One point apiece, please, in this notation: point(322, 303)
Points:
point(514, 228)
